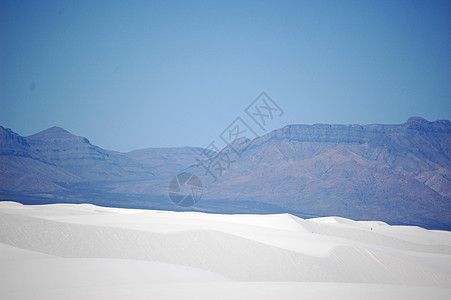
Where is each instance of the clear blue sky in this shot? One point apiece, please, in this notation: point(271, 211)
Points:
point(136, 74)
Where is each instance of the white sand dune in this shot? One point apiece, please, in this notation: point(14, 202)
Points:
point(69, 251)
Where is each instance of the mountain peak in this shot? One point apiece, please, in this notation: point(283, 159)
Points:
point(420, 124)
point(52, 132)
point(416, 120)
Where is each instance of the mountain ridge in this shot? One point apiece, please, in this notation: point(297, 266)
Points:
point(398, 173)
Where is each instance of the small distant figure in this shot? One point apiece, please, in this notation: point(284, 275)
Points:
point(371, 228)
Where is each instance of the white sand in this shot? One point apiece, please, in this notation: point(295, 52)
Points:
point(68, 251)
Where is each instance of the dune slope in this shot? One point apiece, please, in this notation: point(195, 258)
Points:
point(85, 251)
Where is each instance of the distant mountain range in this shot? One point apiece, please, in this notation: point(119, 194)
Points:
point(400, 174)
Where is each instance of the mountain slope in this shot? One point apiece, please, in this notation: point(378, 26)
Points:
point(76, 154)
point(24, 170)
point(48, 251)
point(401, 172)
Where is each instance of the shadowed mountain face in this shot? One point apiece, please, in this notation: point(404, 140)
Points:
point(400, 174)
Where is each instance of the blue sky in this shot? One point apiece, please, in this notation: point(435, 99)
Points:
point(136, 74)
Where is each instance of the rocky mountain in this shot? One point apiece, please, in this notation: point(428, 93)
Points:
point(76, 154)
point(57, 166)
point(400, 174)
point(23, 170)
